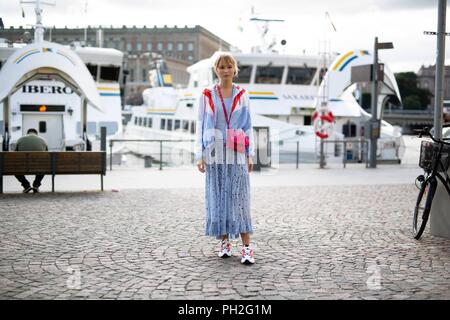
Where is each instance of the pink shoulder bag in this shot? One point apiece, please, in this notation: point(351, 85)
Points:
point(237, 140)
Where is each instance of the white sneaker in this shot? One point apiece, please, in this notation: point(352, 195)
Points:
point(225, 249)
point(247, 256)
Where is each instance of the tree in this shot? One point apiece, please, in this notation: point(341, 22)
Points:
point(413, 97)
point(412, 102)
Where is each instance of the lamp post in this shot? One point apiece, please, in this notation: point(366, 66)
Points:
point(440, 61)
point(439, 217)
point(374, 121)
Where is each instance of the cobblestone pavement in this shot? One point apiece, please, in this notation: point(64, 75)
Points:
point(334, 242)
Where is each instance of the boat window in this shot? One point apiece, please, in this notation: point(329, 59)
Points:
point(163, 124)
point(42, 127)
point(193, 79)
point(244, 74)
point(192, 127)
point(140, 121)
point(300, 75)
point(169, 124)
point(111, 126)
point(92, 127)
point(269, 74)
point(150, 122)
point(92, 70)
point(145, 122)
point(135, 120)
point(323, 71)
point(307, 121)
point(185, 125)
point(349, 130)
point(177, 125)
point(109, 73)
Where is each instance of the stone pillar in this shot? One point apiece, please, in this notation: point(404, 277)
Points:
point(440, 212)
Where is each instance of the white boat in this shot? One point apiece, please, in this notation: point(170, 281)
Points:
point(350, 117)
point(284, 91)
point(65, 92)
point(160, 118)
point(171, 114)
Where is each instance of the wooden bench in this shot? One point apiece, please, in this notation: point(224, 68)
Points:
point(52, 163)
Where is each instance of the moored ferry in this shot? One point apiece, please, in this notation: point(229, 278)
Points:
point(282, 92)
point(67, 93)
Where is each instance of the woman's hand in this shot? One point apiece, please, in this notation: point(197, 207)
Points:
point(250, 164)
point(201, 165)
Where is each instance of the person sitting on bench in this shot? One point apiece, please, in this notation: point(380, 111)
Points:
point(31, 142)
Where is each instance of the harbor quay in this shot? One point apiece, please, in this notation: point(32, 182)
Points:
point(329, 233)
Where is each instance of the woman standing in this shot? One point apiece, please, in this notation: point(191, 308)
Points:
point(224, 147)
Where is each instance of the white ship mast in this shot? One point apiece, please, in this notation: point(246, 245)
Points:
point(325, 54)
point(322, 111)
point(263, 30)
point(39, 27)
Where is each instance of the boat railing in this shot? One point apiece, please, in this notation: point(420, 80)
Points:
point(345, 151)
point(160, 141)
point(353, 150)
point(349, 150)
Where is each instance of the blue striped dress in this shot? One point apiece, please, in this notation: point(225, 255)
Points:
point(227, 189)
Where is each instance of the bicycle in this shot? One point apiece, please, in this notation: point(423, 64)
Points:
point(434, 160)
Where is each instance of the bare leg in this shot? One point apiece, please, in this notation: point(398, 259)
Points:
point(245, 239)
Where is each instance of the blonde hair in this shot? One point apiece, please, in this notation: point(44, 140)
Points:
point(227, 58)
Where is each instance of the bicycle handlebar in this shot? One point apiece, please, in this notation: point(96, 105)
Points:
point(426, 132)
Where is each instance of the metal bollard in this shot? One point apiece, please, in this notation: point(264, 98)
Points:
point(147, 162)
point(160, 155)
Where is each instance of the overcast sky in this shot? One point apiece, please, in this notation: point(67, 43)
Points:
point(305, 25)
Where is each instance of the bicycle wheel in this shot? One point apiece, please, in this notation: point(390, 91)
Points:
point(423, 206)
